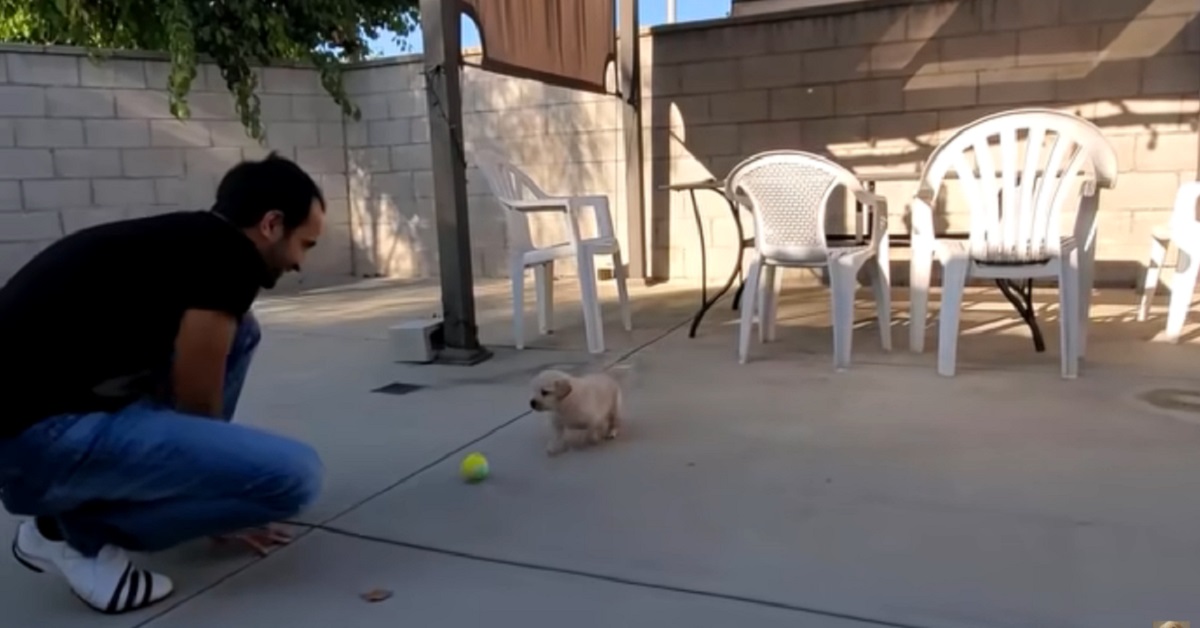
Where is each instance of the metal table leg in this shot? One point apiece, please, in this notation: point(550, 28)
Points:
point(703, 252)
point(737, 296)
point(737, 270)
point(1020, 294)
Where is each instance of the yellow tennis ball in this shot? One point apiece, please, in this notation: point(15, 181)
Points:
point(474, 468)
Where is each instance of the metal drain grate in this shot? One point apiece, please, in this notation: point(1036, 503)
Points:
point(1173, 399)
point(398, 388)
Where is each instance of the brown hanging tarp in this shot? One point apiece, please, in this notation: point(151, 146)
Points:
point(568, 43)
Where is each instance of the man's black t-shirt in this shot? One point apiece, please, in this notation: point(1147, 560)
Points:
point(105, 303)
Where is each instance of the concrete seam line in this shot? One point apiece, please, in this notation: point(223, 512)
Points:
point(606, 578)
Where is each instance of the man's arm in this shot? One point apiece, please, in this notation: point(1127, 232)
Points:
point(201, 350)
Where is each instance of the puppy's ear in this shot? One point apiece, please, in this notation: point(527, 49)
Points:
point(562, 388)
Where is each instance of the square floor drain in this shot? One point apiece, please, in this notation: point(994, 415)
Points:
point(398, 388)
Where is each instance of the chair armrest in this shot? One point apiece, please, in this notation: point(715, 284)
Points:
point(921, 216)
point(584, 200)
point(600, 210)
point(572, 206)
point(561, 206)
point(878, 207)
point(870, 198)
point(541, 205)
point(881, 220)
point(590, 200)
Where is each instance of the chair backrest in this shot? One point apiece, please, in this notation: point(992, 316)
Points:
point(508, 183)
point(788, 192)
point(1017, 170)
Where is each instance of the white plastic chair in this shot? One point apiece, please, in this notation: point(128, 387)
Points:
point(1015, 210)
point(520, 196)
point(788, 193)
point(1184, 232)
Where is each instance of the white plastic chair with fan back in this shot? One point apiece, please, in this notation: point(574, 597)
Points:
point(788, 193)
point(1017, 171)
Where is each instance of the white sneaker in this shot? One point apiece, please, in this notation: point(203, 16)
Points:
point(107, 582)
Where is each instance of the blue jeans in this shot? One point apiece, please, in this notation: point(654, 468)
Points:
point(147, 477)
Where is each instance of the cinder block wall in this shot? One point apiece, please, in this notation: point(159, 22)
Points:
point(84, 143)
point(879, 88)
point(388, 164)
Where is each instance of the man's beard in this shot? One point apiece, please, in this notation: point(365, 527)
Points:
point(274, 267)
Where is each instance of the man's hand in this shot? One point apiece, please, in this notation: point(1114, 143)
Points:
point(260, 540)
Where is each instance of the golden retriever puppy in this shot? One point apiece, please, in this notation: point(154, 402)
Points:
point(590, 404)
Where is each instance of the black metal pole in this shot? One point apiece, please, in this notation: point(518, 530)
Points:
point(440, 26)
point(630, 67)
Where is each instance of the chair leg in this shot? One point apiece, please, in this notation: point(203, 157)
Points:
point(544, 284)
point(1087, 265)
point(881, 284)
point(619, 275)
point(843, 279)
point(516, 270)
point(760, 302)
point(1159, 248)
point(920, 268)
point(1183, 287)
point(590, 300)
point(597, 308)
point(776, 290)
point(749, 303)
point(768, 300)
point(954, 283)
point(1069, 322)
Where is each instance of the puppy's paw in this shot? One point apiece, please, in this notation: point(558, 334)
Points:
point(611, 435)
point(555, 447)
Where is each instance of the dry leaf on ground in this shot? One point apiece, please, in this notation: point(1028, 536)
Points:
point(376, 595)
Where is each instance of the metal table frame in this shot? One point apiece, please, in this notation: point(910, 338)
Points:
point(713, 185)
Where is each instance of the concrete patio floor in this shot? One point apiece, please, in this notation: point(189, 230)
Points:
point(780, 493)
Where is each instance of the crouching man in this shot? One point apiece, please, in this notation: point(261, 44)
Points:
point(123, 350)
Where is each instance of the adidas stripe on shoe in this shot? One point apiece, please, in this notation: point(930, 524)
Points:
point(108, 582)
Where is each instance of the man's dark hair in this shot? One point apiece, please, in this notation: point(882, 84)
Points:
point(252, 188)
